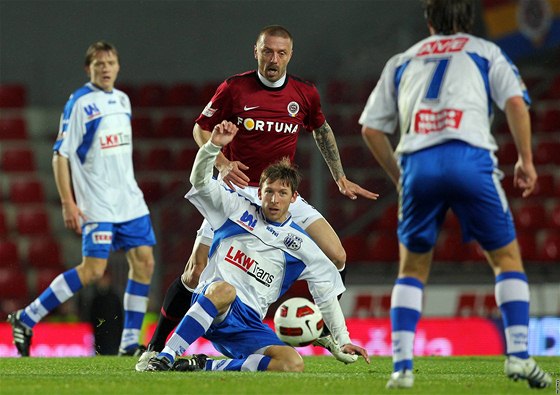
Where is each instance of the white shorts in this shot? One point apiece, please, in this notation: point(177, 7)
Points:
point(302, 212)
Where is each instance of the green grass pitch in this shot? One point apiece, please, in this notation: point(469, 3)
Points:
point(323, 375)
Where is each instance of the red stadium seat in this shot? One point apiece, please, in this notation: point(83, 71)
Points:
point(364, 306)
point(18, 160)
point(12, 96)
point(545, 186)
point(550, 248)
point(33, 222)
point(384, 247)
point(448, 247)
point(527, 245)
point(181, 94)
point(9, 254)
point(171, 126)
point(554, 217)
point(549, 121)
point(130, 90)
point(489, 307)
point(547, 152)
point(44, 278)
point(152, 190)
point(356, 248)
point(159, 158)
point(184, 159)
point(206, 92)
point(27, 191)
point(13, 283)
point(507, 154)
point(3, 224)
point(530, 217)
point(142, 127)
point(389, 219)
point(151, 95)
point(553, 91)
point(467, 305)
point(45, 252)
point(13, 129)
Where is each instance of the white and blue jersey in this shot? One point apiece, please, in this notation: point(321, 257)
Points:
point(442, 89)
point(261, 259)
point(96, 136)
point(441, 94)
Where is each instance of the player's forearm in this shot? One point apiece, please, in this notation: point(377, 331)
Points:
point(201, 136)
point(382, 151)
point(324, 137)
point(334, 320)
point(61, 170)
point(520, 126)
point(201, 173)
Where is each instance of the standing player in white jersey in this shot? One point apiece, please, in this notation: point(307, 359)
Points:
point(271, 109)
point(440, 92)
point(256, 254)
point(93, 162)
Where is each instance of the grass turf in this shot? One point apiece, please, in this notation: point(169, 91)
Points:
point(323, 375)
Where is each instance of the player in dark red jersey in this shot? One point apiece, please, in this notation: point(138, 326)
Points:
point(271, 108)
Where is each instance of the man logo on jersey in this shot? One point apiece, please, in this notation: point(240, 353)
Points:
point(293, 242)
point(428, 121)
point(92, 111)
point(208, 110)
point(446, 45)
point(293, 108)
point(247, 221)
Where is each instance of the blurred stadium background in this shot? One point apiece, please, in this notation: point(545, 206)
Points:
point(173, 55)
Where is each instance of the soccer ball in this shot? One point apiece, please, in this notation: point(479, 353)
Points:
point(298, 322)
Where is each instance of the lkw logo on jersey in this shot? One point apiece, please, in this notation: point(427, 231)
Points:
point(114, 140)
point(442, 46)
point(92, 111)
point(293, 242)
point(102, 237)
point(247, 221)
point(241, 260)
point(259, 125)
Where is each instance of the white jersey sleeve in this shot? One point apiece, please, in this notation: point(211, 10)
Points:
point(443, 88)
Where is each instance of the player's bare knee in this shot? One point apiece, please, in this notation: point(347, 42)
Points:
point(293, 364)
point(221, 293)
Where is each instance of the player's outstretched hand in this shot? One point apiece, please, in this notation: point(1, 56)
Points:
point(353, 190)
point(223, 133)
point(355, 350)
point(232, 174)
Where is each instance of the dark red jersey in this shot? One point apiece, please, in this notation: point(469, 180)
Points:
point(269, 119)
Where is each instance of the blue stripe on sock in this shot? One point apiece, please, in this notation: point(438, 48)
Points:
point(49, 300)
point(510, 275)
point(404, 319)
point(207, 305)
point(410, 281)
point(136, 288)
point(515, 313)
point(133, 319)
point(263, 364)
point(405, 364)
point(73, 280)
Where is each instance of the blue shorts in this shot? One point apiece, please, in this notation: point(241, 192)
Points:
point(100, 238)
point(459, 176)
point(241, 333)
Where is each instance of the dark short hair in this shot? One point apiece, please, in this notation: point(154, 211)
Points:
point(284, 171)
point(99, 46)
point(276, 31)
point(449, 16)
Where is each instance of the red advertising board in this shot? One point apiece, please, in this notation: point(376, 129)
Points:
point(435, 336)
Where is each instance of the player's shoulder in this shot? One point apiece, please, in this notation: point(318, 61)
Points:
point(81, 92)
point(250, 75)
point(299, 80)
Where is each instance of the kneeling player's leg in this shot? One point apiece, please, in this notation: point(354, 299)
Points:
point(178, 297)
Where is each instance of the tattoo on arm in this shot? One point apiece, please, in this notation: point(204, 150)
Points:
point(324, 137)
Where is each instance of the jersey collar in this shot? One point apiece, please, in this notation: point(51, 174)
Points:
point(274, 85)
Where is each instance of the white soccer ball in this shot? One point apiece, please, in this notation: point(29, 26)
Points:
point(298, 322)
